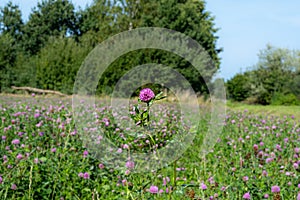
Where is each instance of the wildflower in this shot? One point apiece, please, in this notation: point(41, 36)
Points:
point(13, 186)
point(101, 166)
point(19, 156)
point(203, 186)
point(261, 143)
point(153, 189)
point(129, 164)
point(275, 189)
point(265, 173)
point(245, 178)
point(53, 150)
point(119, 150)
point(247, 196)
point(127, 172)
point(255, 147)
point(268, 160)
point(1, 180)
point(86, 175)
point(80, 175)
point(85, 153)
point(266, 196)
point(15, 141)
point(146, 95)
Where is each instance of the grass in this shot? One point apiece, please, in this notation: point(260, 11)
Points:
point(46, 154)
point(266, 110)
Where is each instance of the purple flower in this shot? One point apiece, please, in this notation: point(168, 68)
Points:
point(15, 141)
point(101, 166)
point(146, 95)
point(268, 160)
point(153, 189)
point(203, 186)
point(86, 175)
point(255, 147)
point(298, 196)
point(53, 150)
point(19, 156)
point(3, 137)
point(275, 189)
point(80, 175)
point(247, 196)
point(245, 178)
point(13, 186)
point(130, 164)
point(1, 180)
point(265, 173)
point(266, 196)
point(85, 153)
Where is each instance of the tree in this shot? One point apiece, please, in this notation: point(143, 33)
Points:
point(7, 61)
point(239, 87)
point(273, 73)
point(57, 64)
point(185, 16)
point(11, 21)
point(50, 18)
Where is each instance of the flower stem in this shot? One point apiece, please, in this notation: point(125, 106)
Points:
point(174, 175)
point(148, 114)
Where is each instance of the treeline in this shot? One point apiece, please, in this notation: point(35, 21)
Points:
point(274, 80)
point(47, 50)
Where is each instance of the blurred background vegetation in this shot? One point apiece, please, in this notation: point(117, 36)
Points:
point(47, 50)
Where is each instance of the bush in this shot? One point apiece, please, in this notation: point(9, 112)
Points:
point(285, 99)
point(238, 87)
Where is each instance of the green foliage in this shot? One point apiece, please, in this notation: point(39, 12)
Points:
point(11, 21)
point(239, 87)
point(274, 76)
point(57, 64)
point(46, 51)
point(49, 18)
point(7, 61)
point(285, 99)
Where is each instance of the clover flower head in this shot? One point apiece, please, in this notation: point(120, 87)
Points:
point(146, 95)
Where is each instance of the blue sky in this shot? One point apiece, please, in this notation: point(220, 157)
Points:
point(246, 27)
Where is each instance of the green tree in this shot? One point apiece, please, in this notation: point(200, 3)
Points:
point(57, 64)
point(273, 73)
point(49, 18)
point(239, 87)
point(11, 21)
point(7, 60)
point(185, 16)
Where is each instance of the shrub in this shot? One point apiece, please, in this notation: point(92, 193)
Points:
point(285, 99)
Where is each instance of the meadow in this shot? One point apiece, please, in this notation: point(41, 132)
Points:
point(44, 156)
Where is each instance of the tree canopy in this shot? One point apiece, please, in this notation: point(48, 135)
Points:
point(47, 50)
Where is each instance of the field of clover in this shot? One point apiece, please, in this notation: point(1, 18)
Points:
point(43, 155)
